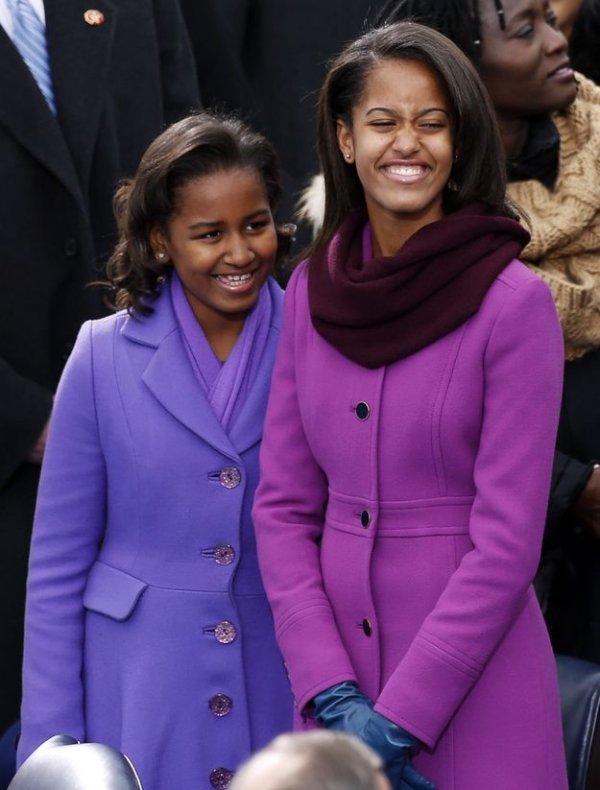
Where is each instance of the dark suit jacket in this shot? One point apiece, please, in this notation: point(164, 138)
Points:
point(116, 85)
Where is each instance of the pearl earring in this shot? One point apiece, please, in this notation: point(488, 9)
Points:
point(348, 156)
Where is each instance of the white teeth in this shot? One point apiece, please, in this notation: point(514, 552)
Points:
point(406, 171)
point(236, 279)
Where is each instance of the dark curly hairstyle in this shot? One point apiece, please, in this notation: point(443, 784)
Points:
point(479, 172)
point(196, 146)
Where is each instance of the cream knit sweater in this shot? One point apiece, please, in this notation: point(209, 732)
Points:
point(565, 223)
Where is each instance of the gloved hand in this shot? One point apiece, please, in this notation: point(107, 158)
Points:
point(345, 708)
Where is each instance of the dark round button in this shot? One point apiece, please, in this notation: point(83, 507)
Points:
point(71, 247)
point(362, 410)
point(225, 632)
point(220, 778)
point(220, 704)
point(367, 627)
point(224, 554)
point(365, 518)
point(230, 477)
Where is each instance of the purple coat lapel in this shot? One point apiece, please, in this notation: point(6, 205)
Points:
point(170, 378)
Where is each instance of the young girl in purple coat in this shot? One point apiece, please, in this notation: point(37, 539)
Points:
point(409, 436)
point(147, 625)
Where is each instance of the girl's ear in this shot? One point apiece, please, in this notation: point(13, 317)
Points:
point(345, 141)
point(158, 242)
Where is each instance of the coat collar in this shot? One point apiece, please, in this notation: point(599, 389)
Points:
point(180, 393)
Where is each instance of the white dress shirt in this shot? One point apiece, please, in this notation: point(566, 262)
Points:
point(6, 15)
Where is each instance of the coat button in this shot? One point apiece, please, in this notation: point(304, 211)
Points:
point(71, 247)
point(365, 518)
point(224, 554)
point(225, 632)
point(367, 627)
point(220, 778)
point(220, 704)
point(230, 477)
point(362, 410)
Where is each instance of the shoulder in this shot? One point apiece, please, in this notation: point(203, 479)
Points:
point(518, 298)
point(515, 276)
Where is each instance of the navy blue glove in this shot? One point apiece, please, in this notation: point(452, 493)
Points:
point(345, 708)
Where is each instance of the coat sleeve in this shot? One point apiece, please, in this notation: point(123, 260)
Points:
point(523, 363)
point(288, 515)
point(68, 527)
point(24, 409)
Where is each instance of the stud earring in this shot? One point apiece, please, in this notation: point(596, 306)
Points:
point(347, 155)
point(160, 256)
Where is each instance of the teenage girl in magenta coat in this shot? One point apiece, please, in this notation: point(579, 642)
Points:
point(409, 436)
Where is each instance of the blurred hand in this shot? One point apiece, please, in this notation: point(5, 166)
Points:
point(587, 506)
point(37, 452)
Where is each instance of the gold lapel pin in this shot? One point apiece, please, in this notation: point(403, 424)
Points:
point(94, 17)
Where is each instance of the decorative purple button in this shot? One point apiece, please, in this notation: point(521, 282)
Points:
point(224, 554)
point(220, 704)
point(225, 632)
point(230, 477)
point(220, 778)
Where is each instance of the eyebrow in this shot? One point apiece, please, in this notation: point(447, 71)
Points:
point(213, 223)
point(524, 13)
point(417, 115)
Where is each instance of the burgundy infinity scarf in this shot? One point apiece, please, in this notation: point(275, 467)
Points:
point(378, 311)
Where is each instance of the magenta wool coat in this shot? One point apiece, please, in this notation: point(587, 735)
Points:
point(147, 623)
point(399, 519)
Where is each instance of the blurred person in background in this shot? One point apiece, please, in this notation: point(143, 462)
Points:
point(580, 22)
point(319, 760)
point(84, 89)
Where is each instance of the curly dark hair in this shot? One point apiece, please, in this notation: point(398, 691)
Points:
point(196, 146)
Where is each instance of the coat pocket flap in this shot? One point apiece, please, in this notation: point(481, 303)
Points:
point(111, 591)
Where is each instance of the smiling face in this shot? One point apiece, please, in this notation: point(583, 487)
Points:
point(222, 243)
point(401, 144)
point(525, 67)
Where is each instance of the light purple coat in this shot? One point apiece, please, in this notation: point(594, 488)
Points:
point(399, 550)
point(143, 553)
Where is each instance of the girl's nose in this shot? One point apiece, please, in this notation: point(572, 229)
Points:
point(239, 252)
point(406, 141)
